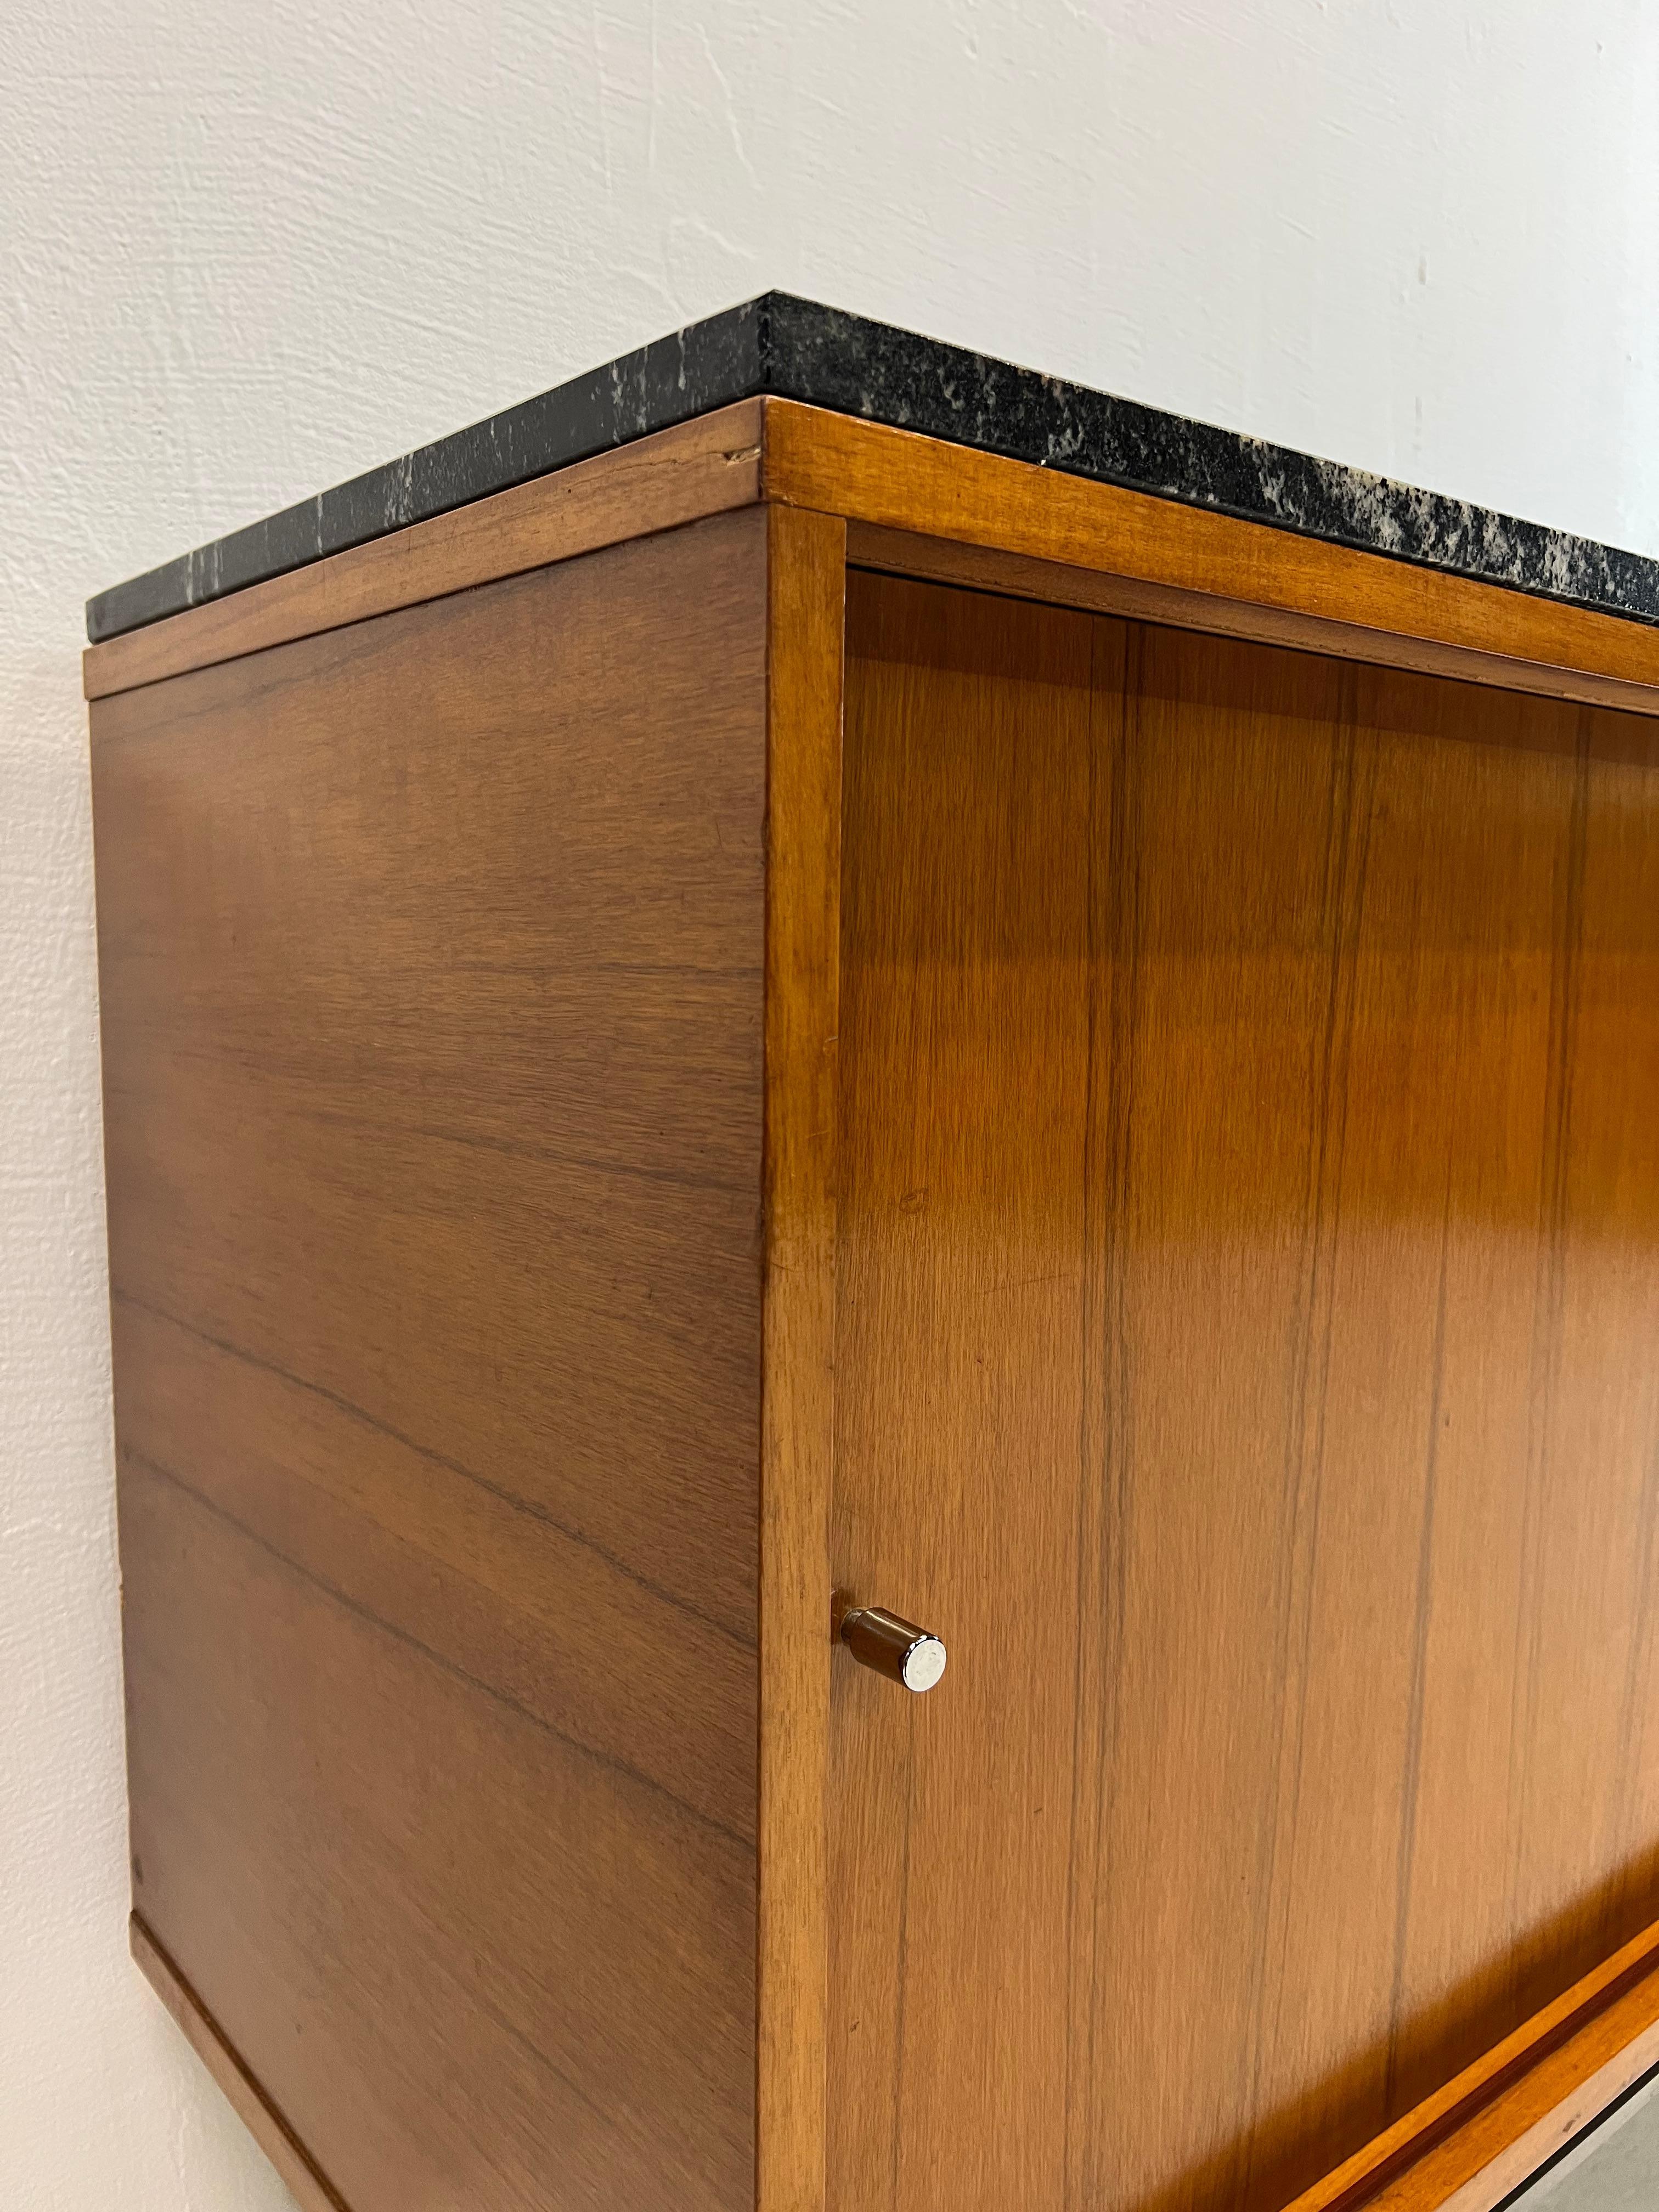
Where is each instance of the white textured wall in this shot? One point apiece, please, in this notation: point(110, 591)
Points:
point(249, 249)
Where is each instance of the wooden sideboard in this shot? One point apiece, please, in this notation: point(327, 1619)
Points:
point(795, 1016)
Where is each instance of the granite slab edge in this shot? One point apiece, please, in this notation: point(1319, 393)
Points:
point(796, 349)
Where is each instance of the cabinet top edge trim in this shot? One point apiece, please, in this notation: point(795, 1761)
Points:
point(910, 500)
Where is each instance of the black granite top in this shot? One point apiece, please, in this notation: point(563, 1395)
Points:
point(798, 350)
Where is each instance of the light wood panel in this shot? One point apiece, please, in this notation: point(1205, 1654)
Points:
point(432, 956)
point(1247, 1234)
point(894, 480)
point(699, 468)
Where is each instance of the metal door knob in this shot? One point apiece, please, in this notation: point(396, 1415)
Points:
point(895, 1648)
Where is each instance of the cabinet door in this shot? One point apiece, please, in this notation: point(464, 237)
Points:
point(1247, 1296)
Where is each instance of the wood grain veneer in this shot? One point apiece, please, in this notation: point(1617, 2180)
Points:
point(1247, 1206)
point(432, 955)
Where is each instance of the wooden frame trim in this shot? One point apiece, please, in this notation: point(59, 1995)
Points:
point(253, 2106)
point(699, 468)
point(1466, 2146)
point(1170, 562)
point(976, 567)
point(807, 573)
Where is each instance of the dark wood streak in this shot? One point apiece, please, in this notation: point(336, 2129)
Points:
point(1640, 1659)
point(1549, 1294)
point(545, 1154)
point(1342, 906)
point(512, 1498)
point(1106, 1414)
point(1414, 1758)
point(376, 1621)
point(901, 1975)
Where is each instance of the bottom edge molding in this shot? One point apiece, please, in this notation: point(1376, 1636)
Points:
point(1473, 2143)
point(259, 2113)
point(1465, 2148)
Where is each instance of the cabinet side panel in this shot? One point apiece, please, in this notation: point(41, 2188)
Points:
point(431, 955)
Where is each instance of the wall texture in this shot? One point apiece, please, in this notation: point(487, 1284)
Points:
point(247, 251)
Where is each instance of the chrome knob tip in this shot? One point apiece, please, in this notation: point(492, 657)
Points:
point(924, 1662)
point(893, 1647)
